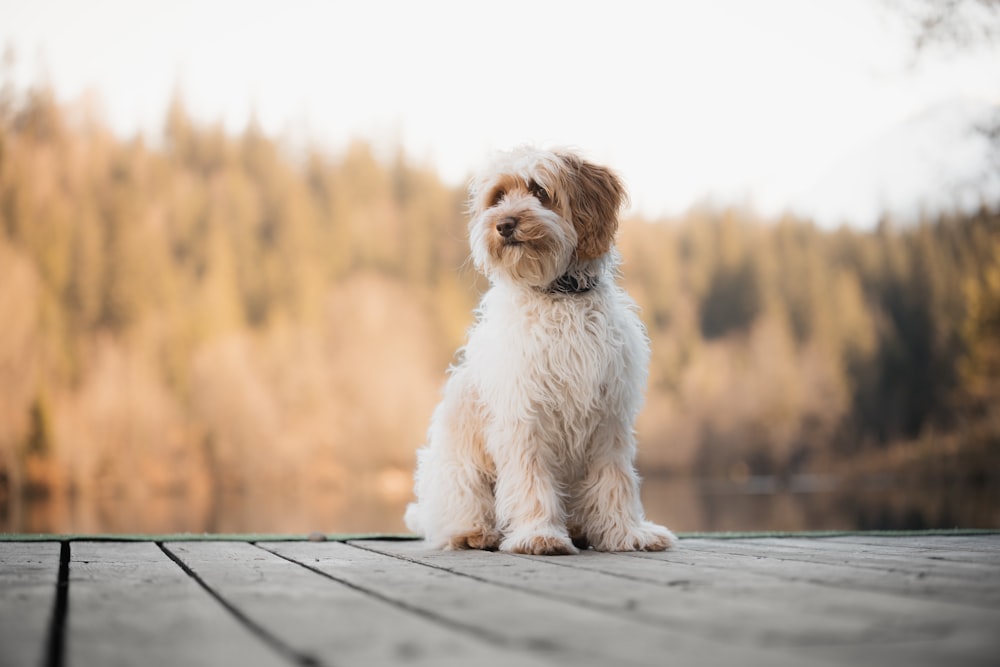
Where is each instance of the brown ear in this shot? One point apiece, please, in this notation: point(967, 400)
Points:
point(597, 197)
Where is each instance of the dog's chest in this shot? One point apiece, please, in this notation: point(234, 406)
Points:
point(558, 356)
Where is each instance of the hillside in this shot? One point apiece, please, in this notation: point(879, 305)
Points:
point(210, 313)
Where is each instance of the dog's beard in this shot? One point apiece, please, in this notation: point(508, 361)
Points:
point(536, 254)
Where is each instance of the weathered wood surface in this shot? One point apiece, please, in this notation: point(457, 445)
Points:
point(129, 604)
point(854, 600)
point(28, 578)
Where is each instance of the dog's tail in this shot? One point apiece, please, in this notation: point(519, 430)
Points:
point(412, 518)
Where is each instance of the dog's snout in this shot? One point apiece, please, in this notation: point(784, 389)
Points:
point(507, 226)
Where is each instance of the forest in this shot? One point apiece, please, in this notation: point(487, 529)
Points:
point(208, 312)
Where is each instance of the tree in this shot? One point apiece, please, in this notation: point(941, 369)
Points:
point(979, 366)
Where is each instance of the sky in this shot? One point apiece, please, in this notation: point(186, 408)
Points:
point(821, 107)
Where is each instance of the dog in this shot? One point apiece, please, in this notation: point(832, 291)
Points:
point(531, 448)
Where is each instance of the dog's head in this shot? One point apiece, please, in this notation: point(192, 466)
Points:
point(537, 215)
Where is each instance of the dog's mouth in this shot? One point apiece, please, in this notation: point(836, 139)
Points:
point(514, 247)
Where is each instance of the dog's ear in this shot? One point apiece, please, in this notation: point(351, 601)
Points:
point(597, 196)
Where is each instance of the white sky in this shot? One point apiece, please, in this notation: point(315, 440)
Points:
point(752, 102)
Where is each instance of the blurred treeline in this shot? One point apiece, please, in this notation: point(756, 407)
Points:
point(211, 311)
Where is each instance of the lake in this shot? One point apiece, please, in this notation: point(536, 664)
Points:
point(375, 503)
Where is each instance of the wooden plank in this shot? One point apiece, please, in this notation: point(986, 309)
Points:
point(964, 562)
point(820, 551)
point(325, 621)
point(988, 542)
point(517, 618)
point(129, 604)
point(835, 572)
point(976, 550)
point(28, 577)
point(893, 556)
point(727, 606)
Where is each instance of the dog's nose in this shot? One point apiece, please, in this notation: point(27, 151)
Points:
point(507, 226)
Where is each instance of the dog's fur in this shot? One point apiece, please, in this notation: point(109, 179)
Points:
point(531, 449)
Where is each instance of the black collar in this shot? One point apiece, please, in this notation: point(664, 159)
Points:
point(569, 284)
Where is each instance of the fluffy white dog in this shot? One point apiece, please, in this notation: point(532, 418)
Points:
point(531, 449)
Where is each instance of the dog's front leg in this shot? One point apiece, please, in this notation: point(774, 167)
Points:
point(528, 501)
point(610, 510)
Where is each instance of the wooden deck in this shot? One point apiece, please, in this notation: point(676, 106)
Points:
point(852, 600)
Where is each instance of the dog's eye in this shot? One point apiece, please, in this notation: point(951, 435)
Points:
point(539, 193)
point(497, 197)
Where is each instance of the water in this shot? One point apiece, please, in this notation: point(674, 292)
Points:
point(818, 503)
point(377, 501)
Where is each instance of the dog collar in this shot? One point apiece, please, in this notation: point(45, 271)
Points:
point(568, 284)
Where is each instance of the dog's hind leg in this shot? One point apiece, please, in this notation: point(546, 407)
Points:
point(455, 477)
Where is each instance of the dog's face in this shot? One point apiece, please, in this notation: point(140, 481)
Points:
point(536, 213)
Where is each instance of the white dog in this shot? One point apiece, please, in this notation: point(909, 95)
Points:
point(531, 449)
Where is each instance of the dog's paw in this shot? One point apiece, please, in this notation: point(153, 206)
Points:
point(646, 536)
point(539, 544)
point(485, 539)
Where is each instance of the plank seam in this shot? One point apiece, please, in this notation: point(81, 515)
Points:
point(266, 636)
point(593, 606)
point(848, 562)
point(920, 582)
point(569, 563)
point(442, 568)
point(55, 647)
point(479, 633)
